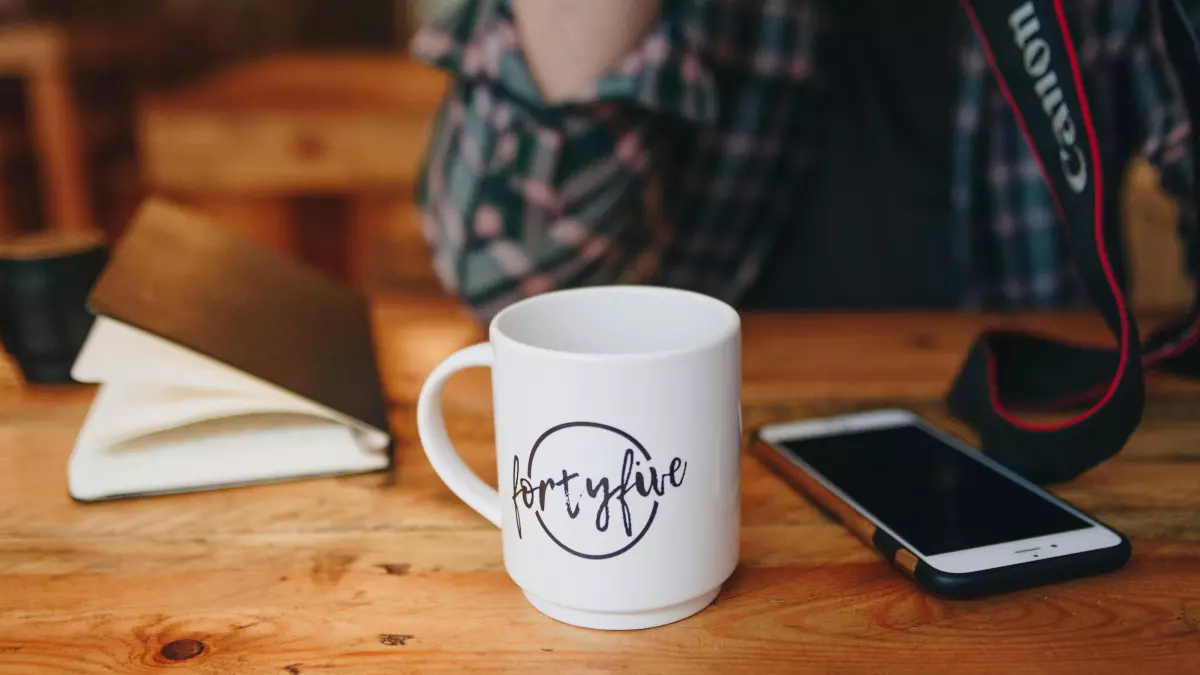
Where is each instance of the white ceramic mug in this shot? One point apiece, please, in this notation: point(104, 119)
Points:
point(618, 435)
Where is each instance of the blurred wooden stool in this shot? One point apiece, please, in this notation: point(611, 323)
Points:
point(38, 54)
point(282, 146)
point(10, 146)
point(1155, 252)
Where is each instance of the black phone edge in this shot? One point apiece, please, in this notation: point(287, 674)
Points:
point(950, 585)
point(1008, 578)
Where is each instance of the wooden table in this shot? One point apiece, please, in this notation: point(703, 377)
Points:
point(391, 573)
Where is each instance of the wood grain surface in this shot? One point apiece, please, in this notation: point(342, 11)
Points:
point(391, 573)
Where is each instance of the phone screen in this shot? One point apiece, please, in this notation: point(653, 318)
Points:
point(930, 494)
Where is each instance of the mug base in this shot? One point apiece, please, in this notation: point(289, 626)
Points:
point(623, 620)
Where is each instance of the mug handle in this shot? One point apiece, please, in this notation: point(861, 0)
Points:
point(431, 427)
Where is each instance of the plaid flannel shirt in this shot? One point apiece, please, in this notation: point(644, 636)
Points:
point(679, 166)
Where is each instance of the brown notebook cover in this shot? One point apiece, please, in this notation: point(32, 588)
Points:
point(179, 276)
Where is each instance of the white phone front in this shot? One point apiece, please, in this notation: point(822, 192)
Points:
point(970, 520)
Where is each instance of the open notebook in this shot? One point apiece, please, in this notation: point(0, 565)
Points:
point(221, 364)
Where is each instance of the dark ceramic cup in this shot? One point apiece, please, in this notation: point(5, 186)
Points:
point(45, 279)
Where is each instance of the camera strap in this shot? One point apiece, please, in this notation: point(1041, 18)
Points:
point(1029, 48)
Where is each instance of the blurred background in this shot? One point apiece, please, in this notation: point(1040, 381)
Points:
point(299, 123)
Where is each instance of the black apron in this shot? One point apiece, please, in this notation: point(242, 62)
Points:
point(1029, 47)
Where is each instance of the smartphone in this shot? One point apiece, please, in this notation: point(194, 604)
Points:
point(958, 523)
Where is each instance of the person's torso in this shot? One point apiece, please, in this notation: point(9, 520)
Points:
point(818, 147)
point(872, 226)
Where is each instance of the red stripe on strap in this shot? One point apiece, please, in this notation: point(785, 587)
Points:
point(1118, 298)
point(1169, 350)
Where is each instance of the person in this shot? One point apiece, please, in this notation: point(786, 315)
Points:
point(794, 154)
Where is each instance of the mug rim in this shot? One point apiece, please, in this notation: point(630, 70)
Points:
point(733, 327)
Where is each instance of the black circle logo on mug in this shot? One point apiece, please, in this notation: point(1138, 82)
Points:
point(598, 474)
